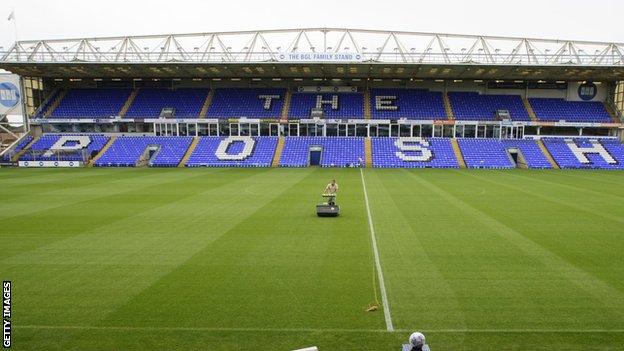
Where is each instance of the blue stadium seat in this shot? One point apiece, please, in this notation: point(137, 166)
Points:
point(485, 153)
point(46, 105)
point(418, 104)
point(589, 153)
point(251, 103)
point(477, 107)
point(563, 154)
point(548, 109)
point(205, 153)
point(387, 154)
point(532, 153)
point(91, 103)
point(27, 139)
point(46, 141)
point(336, 152)
point(149, 102)
point(349, 105)
point(126, 151)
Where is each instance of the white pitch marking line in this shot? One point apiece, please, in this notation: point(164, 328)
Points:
point(206, 329)
point(382, 284)
point(311, 330)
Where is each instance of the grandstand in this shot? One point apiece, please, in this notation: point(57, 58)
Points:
point(405, 120)
point(481, 122)
point(475, 99)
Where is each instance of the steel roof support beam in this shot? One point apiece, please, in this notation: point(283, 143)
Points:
point(259, 45)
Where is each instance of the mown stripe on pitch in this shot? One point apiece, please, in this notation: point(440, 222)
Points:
point(109, 190)
point(567, 186)
point(229, 205)
point(551, 199)
point(395, 225)
point(584, 280)
point(379, 269)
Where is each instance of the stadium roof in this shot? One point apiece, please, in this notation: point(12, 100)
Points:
point(318, 52)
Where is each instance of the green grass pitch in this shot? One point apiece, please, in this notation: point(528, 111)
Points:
point(236, 259)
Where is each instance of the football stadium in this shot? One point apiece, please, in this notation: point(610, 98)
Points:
point(312, 188)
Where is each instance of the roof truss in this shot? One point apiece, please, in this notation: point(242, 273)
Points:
point(372, 45)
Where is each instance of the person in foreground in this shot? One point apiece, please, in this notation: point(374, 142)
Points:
point(331, 189)
point(416, 343)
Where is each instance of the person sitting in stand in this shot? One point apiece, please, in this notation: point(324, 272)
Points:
point(331, 189)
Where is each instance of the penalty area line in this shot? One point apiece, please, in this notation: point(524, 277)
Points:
point(380, 278)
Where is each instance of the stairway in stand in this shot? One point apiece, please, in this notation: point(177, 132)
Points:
point(448, 108)
point(547, 154)
point(19, 154)
point(278, 152)
point(55, 103)
point(110, 142)
point(128, 103)
point(368, 152)
point(189, 152)
point(367, 104)
point(286, 106)
point(458, 153)
point(204, 110)
point(611, 112)
point(529, 108)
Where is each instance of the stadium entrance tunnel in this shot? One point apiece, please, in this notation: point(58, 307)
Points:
point(148, 156)
point(517, 158)
point(315, 155)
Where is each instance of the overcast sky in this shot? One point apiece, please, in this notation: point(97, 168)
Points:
point(599, 20)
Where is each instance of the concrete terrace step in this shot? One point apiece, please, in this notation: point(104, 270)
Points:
point(458, 153)
point(547, 154)
point(189, 152)
point(278, 152)
point(103, 151)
